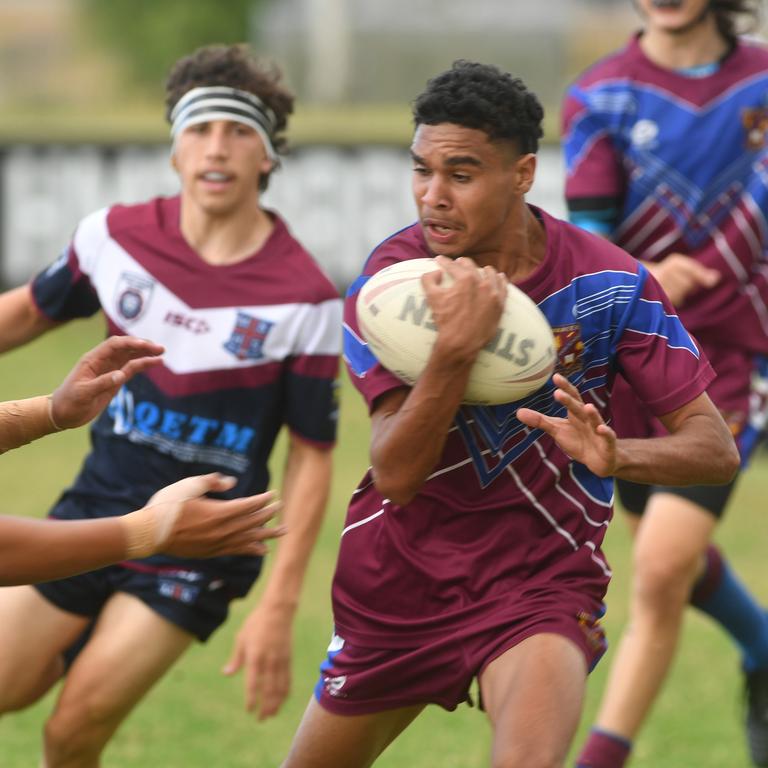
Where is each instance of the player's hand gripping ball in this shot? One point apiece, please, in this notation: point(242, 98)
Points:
point(396, 321)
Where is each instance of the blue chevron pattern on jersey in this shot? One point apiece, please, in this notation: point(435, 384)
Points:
point(606, 305)
point(689, 160)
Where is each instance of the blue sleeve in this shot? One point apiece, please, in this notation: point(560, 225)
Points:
point(62, 292)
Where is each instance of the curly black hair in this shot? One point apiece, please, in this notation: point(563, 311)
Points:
point(236, 67)
point(483, 97)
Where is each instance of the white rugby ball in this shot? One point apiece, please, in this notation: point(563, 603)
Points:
point(396, 321)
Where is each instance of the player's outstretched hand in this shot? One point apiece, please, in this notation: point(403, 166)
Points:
point(583, 434)
point(189, 525)
point(263, 649)
point(97, 376)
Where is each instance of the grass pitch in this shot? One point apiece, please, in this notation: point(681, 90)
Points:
point(194, 717)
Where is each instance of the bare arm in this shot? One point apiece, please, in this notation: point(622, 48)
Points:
point(82, 395)
point(409, 428)
point(178, 520)
point(263, 645)
point(698, 451)
point(20, 319)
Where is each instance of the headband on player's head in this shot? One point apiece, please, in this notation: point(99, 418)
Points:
point(218, 102)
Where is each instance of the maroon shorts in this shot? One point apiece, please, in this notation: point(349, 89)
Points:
point(356, 680)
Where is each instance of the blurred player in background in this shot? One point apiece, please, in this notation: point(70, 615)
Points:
point(472, 547)
point(666, 145)
point(251, 329)
point(175, 521)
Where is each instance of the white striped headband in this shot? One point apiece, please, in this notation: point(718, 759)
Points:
point(219, 102)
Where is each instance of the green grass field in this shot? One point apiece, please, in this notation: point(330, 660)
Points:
point(194, 718)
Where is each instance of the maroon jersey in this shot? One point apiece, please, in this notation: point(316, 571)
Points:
point(507, 523)
point(683, 162)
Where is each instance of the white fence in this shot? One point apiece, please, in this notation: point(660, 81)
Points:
point(340, 202)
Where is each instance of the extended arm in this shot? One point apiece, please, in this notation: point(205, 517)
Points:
point(82, 395)
point(263, 645)
point(178, 520)
point(698, 450)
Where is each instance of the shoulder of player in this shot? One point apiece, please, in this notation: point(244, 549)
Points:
point(144, 216)
point(96, 229)
point(91, 233)
point(315, 284)
point(614, 66)
point(405, 244)
point(592, 252)
point(752, 54)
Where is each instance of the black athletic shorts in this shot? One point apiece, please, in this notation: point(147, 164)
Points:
point(713, 498)
point(196, 601)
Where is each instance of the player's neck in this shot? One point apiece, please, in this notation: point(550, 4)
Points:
point(222, 239)
point(701, 45)
point(525, 246)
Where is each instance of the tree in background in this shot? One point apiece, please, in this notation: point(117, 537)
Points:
point(149, 35)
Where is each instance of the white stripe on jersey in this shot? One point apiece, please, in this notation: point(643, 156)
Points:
point(558, 477)
point(297, 328)
point(365, 519)
point(540, 508)
point(561, 531)
point(606, 570)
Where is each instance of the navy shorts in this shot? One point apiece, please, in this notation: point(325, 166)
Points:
point(355, 680)
point(192, 594)
point(192, 599)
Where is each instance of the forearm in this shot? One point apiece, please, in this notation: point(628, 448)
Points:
point(702, 452)
point(41, 550)
point(305, 492)
point(408, 442)
point(22, 421)
point(20, 319)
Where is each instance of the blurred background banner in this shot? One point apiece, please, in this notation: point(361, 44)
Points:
point(339, 201)
point(81, 103)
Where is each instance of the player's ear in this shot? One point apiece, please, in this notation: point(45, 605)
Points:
point(525, 173)
point(174, 164)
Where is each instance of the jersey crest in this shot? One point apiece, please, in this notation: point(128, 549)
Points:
point(132, 296)
point(569, 348)
point(755, 122)
point(248, 337)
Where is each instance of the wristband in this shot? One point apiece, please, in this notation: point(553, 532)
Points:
point(148, 529)
point(22, 421)
point(55, 426)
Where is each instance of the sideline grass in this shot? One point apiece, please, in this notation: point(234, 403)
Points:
point(194, 717)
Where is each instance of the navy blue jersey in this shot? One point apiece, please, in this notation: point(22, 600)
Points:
point(250, 347)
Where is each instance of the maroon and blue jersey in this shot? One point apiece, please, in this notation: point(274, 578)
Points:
point(250, 347)
point(680, 164)
point(506, 519)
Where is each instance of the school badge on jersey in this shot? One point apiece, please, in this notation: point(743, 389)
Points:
point(247, 339)
point(755, 122)
point(569, 349)
point(132, 296)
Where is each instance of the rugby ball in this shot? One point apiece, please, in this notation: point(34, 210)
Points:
point(396, 321)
